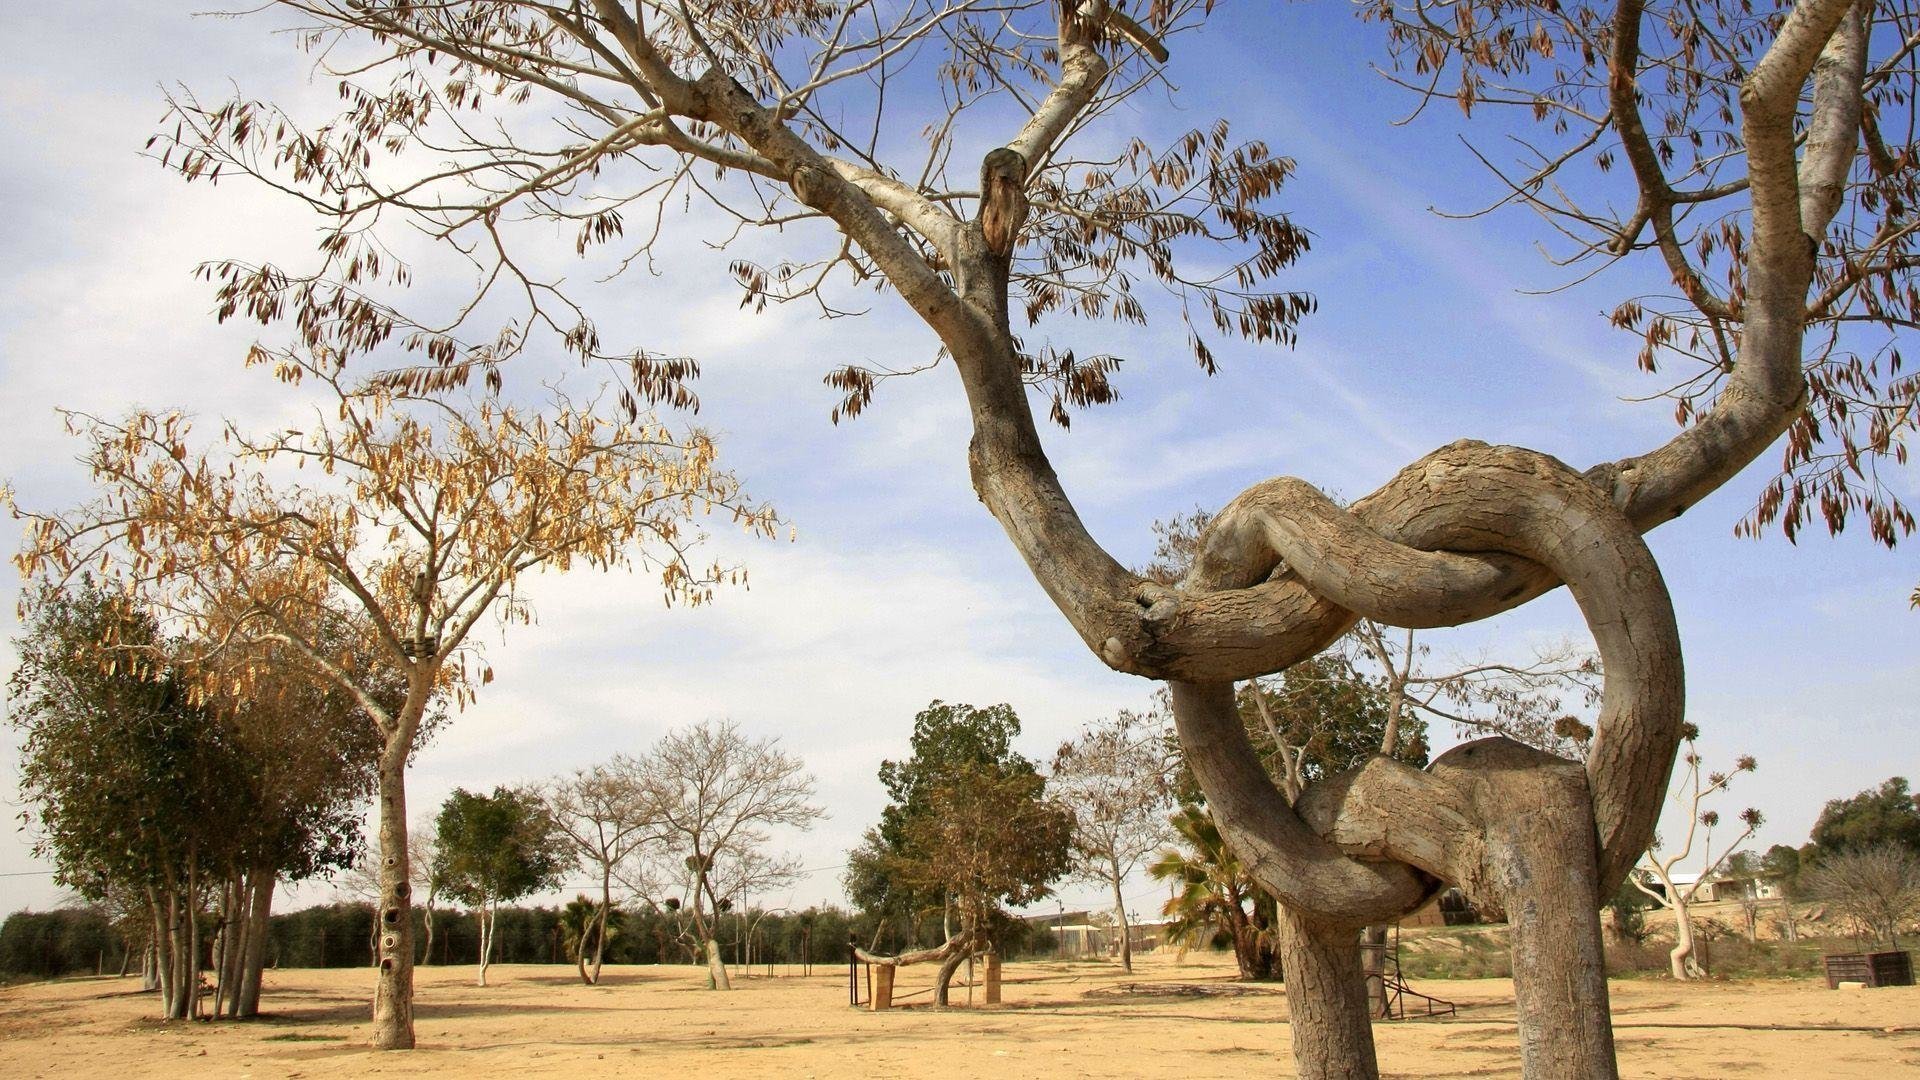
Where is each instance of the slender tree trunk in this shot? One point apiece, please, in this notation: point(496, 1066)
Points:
point(943, 982)
point(1685, 966)
point(486, 936)
point(426, 948)
point(600, 925)
point(393, 985)
point(259, 923)
point(223, 950)
point(126, 958)
point(193, 935)
point(1374, 959)
point(1126, 932)
point(161, 951)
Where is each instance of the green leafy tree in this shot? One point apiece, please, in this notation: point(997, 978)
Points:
point(970, 829)
point(131, 785)
point(948, 740)
point(495, 849)
point(1888, 814)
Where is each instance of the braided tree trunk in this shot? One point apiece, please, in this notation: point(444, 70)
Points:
point(1465, 533)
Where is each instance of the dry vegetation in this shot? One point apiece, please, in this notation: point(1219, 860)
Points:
point(1061, 1020)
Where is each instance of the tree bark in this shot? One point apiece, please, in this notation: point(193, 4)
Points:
point(943, 980)
point(1685, 966)
point(717, 978)
point(1373, 959)
point(393, 986)
point(1326, 999)
point(1126, 934)
point(193, 935)
point(1541, 860)
point(259, 922)
point(426, 947)
point(486, 936)
point(600, 926)
point(224, 950)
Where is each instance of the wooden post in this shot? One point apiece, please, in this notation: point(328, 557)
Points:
point(991, 996)
point(882, 987)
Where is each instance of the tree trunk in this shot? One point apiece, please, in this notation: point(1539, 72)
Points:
point(1126, 933)
point(1374, 961)
point(1542, 858)
point(1685, 966)
point(717, 978)
point(486, 936)
point(193, 936)
point(223, 951)
point(426, 948)
point(944, 980)
point(259, 921)
point(161, 951)
point(1326, 999)
point(600, 927)
point(393, 986)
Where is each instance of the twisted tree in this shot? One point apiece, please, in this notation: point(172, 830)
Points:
point(1696, 786)
point(776, 110)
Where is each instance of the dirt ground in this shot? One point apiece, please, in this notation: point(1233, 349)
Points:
point(1060, 1020)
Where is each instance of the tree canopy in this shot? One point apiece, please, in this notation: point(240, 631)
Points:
point(1888, 814)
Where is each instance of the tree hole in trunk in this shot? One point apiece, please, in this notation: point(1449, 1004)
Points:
point(386, 964)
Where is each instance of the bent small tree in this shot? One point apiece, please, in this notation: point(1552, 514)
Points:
point(776, 108)
point(424, 519)
point(1695, 787)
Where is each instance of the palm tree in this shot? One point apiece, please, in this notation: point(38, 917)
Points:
point(578, 922)
point(1215, 895)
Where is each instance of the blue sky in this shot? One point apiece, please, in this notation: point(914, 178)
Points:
point(900, 588)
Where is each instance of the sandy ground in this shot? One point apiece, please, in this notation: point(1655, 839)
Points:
point(1060, 1020)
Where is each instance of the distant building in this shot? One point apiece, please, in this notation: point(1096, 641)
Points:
point(1715, 890)
point(1076, 933)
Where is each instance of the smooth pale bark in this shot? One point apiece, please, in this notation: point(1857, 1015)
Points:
point(393, 985)
point(191, 990)
point(486, 943)
point(426, 921)
point(1681, 959)
point(717, 978)
point(1126, 931)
